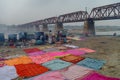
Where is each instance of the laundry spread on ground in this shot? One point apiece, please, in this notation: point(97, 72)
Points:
point(92, 63)
point(8, 73)
point(60, 53)
point(96, 76)
point(18, 60)
point(72, 58)
point(42, 65)
point(87, 50)
point(73, 72)
point(56, 75)
point(51, 50)
point(41, 58)
point(75, 52)
point(56, 64)
point(29, 70)
point(71, 46)
point(36, 53)
point(30, 50)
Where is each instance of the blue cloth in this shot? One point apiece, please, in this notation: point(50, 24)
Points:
point(92, 63)
point(56, 64)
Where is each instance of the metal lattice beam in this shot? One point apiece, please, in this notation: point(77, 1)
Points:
point(106, 12)
point(51, 20)
point(73, 17)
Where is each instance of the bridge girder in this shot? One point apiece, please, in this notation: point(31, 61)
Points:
point(111, 11)
point(73, 17)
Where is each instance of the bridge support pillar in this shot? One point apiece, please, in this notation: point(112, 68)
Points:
point(58, 26)
point(36, 28)
point(89, 28)
point(44, 28)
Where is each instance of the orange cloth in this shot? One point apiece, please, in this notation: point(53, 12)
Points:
point(72, 58)
point(29, 70)
point(30, 50)
point(19, 60)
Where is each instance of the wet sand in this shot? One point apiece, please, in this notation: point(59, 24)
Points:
point(107, 48)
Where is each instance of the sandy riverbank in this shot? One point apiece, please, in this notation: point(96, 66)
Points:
point(107, 48)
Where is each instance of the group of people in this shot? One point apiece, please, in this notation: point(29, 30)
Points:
point(59, 36)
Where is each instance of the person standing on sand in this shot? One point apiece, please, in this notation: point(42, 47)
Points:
point(50, 37)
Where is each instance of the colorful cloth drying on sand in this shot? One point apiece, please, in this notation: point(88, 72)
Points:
point(92, 63)
point(29, 70)
point(8, 73)
point(56, 64)
point(87, 50)
point(51, 50)
point(45, 47)
point(36, 53)
point(50, 76)
point(71, 46)
point(54, 54)
point(30, 50)
point(41, 59)
point(2, 59)
point(73, 72)
point(72, 58)
point(75, 52)
point(2, 63)
point(96, 76)
point(19, 60)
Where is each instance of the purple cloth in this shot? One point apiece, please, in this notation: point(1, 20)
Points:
point(96, 76)
point(2, 59)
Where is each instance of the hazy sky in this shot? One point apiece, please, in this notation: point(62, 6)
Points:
point(24, 11)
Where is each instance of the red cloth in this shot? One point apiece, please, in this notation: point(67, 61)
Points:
point(30, 50)
point(72, 58)
point(29, 70)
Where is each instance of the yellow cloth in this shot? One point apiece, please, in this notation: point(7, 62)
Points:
point(18, 60)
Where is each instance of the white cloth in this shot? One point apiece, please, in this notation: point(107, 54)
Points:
point(8, 73)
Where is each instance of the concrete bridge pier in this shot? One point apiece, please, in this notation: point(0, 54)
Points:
point(89, 28)
point(58, 26)
point(36, 28)
point(45, 28)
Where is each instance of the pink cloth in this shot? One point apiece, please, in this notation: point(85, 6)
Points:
point(41, 59)
point(54, 54)
point(36, 53)
point(75, 52)
point(75, 71)
point(96, 76)
point(87, 50)
point(50, 76)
